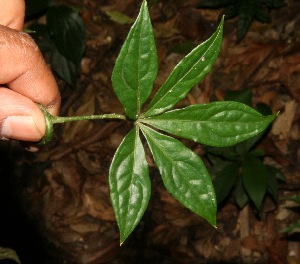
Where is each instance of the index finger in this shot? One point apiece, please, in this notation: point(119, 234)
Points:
point(12, 13)
point(24, 70)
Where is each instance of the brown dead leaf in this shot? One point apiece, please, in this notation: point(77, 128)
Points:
point(247, 55)
point(190, 23)
point(85, 227)
point(277, 250)
point(96, 202)
point(251, 242)
point(87, 107)
point(283, 123)
point(166, 29)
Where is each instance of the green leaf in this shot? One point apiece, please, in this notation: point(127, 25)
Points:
point(187, 73)
point(119, 17)
point(263, 108)
point(63, 67)
point(225, 180)
point(229, 153)
point(129, 183)
point(294, 198)
point(272, 182)
point(41, 36)
point(231, 11)
point(7, 253)
point(241, 197)
point(246, 15)
point(184, 174)
point(294, 227)
point(183, 48)
point(136, 66)
point(67, 30)
point(241, 96)
point(217, 124)
point(262, 15)
point(255, 179)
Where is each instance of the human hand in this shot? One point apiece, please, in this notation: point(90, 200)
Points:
point(25, 79)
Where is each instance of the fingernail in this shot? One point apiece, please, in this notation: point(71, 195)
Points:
point(20, 128)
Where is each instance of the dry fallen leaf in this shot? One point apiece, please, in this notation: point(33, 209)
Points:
point(283, 123)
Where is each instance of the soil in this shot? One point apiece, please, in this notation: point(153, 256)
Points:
point(54, 203)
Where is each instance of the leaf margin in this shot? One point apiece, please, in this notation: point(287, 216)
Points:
point(116, 180)
point(156, 106)
point(177, 192)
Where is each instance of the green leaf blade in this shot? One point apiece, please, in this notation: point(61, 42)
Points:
point(255, 179)
point(241, 196)
point(129, 183)
point(190, 71)
point(245, 18)
point(217, 124)
point(225, 180)
point(183, 173)
point(7, 253)
point(64, 68)
point(136, 66)
point(68, 32)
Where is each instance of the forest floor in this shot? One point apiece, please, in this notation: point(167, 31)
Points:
point(64, 187)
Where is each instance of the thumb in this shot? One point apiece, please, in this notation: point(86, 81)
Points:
point(21, 118)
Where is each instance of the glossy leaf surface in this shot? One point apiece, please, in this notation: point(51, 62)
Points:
point(216, 124)
point(136, 66)
point(129, 183)
point(190, 71)
point(183, 173)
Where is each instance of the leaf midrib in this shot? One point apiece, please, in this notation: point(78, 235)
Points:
point(165, 154)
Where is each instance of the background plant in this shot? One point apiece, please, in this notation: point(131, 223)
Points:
point(63, 36)
point(183, 172)
point(294, 227)
point(240, 169)
point(9, 254)
point(245, 10)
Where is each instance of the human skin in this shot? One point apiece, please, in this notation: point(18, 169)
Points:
point(25, 79)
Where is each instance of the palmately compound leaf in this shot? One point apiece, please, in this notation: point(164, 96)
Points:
point(129, 183)
point(217, 124)
point(136, 66)
point(184, 174)
point(187, 73)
